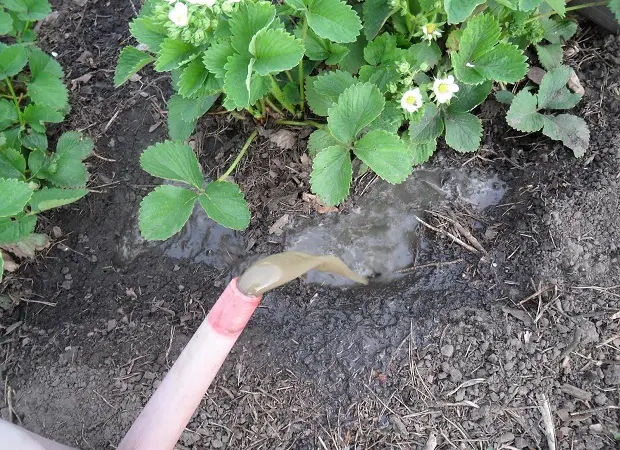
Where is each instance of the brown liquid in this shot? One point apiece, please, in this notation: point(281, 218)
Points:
point(278, 269)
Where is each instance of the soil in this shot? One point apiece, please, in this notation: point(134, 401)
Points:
point(460, 355)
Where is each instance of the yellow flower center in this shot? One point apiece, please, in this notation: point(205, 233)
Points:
point(443, 88)
point(410, 100)
point(430, 28)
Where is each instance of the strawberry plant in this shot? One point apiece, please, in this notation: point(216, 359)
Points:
point(32, 95)
point(381, 81)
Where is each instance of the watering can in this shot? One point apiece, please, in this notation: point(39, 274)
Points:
point(167, 413)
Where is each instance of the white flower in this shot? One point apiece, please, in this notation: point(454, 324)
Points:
point(412, 100)
point(444, 89)
point(171, 2)
point(178, 15)
point(430, 32)
point(208, 3)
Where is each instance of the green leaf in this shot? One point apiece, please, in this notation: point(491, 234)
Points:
point(386, 154)
point(164, 211)
point(319, 140)
point(505, 63)
point(355, 58)
point(614, 6)
point(130, 61)
point(41, 165)
point(184, 112)
point(459, 10)
point(529, 5)
point(553, 93)
point(12, 163)
point(1, 266)
point(480, 57)
point(71, 149)
point(297, 5)
point(216, 57)
point(173, 161)
point(49, 90)
point(275, 51)
point(469, 96)
point(323, 91)
point(12, 231)
point(15, 196)
point(381, 49)
point(571, 130)
point(12, 60)
point(558, 30)
point(34, 141)
point(6, 27)
point(559, 6)
point(247, 21)
point(390, 119)
point(463, 131)
point(149, 33)
point(75, 145)
point(8, 114)
point(504, 96)
point(49, 198)
point(334, 20)
point(319, 49)
point(331, 176)
point(42, 63)
point(356, 108)
point(224, 203)
point(174, 53)
point(550, 56)
point(429, 127)
point(41, 113)
point(422, 152)
point(193, 77)
point(423, 54)
point(376, 13)
point(28, 10)
point(236, 83)
point(523, 115)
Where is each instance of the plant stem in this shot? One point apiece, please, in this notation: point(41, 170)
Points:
point(15, 100)
point(239, 156)
point(302, 97)
point(277, 93)
point(289, 76)
point(273, 106)
point(303, 123)
point(572, 8)
point(263, 110)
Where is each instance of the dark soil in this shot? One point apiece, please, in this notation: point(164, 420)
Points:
point(456, 356)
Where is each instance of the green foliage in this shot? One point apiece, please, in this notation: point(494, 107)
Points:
point(166, 209)
point(388, 78)
point(32, 177)
point(525, 112)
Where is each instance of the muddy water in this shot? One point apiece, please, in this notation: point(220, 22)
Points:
point(381, 234)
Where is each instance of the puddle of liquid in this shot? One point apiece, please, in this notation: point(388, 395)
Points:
point(381, 234)
point(200, 241)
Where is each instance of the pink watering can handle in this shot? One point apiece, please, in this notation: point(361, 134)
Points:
point(165, 416)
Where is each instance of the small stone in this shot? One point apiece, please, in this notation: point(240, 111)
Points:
point(64, 270)
point(612, 374)
point(447, 350)
point(456, 376)
point(111, 324)
point(601, 399)
point(506, 438)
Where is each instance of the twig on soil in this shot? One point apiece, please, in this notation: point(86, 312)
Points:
point(461, 229)
point(593, 410)
point(540, 291)
point(97, 155)
point(600, 289)
point(545, 411)
point(425, 266)
point(21, 299)
point(449, 235)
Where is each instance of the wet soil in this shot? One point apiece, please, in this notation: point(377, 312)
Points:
point(460, 350)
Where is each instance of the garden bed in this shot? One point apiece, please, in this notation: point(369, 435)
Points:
point(467, 352)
